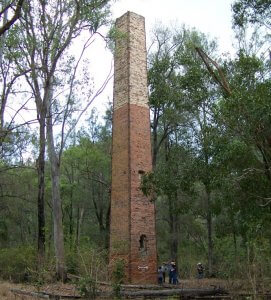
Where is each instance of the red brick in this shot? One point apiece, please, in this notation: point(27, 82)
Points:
point(132, 213)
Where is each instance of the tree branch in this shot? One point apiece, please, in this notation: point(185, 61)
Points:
point(222, 80)
point(15, 17)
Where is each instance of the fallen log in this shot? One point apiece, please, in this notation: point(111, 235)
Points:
point(44, 295)
point(56, 296)
point(145, 287)
point(125, 286)
point(174, 292)
point(27, 293)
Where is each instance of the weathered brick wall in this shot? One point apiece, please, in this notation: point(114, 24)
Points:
point(130, 62)
point(132, 233)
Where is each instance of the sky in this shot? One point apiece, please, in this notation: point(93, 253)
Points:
point(208, 16)
point(212, 17)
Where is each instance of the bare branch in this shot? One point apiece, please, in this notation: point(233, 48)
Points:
point(222, 80)
point(86, 45)
point(99, 91)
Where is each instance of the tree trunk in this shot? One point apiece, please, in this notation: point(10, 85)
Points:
point(61, 270)
point(173, 216)
point(183, 293)
point(107, 225)
point(155, 139)
point(41, 185)
point(80, 215)
point(71, 218)
point(234, 237)
point(3, 96)
point(2, 40)
point(154, 149)
point(173, 230)
point(210, 235)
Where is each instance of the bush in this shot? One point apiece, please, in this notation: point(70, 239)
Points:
point(118, 274)
point(92, 263)
point(228, 261)
point(16, 263)
point(87, 288)
point(188, 257)
point(71, 261)
point(92, 266)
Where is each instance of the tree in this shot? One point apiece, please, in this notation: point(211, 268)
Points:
point(10, 77)
point(182, 96)
point(47, 32)
point(163, 85)
point(86, 167)
point(10, 6)
point(246, 116)
point(252, 11)
point(251, 22)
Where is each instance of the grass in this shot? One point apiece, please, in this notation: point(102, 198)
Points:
point(5, 293)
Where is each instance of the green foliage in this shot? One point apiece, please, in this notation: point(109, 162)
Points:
point(90, 264)
point(252, 11)
point(190, 253)
point(212, 154)
point(85, 182)
point(230, 258)
point(95, 13)
point(113, 36)
point(16, 263)
point(87, 287)
point(3, 231)
point(149, 185)
point(93, 262)
point(72, 260)
point(118, 276)
point(118, 271)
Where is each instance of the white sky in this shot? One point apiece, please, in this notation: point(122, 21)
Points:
point(211, 17)
point(208, 16)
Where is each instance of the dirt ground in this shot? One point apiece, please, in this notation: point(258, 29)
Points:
point(5, 293)
point(58, 289)
point(70, 289)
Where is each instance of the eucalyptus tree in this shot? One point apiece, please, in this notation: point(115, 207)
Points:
point(252, 25)
point(182, 97)
point(253, 12)
point(86, 183)
point(165, 104)
point(249, 73)
point(245, 114)
point(46, 32)
point(10, 75)
point(17, 199)
point(163, 86)
point(246, 119)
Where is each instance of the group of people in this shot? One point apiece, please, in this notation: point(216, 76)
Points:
point(170, 269)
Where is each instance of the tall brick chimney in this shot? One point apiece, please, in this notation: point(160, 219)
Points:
point(132, 231)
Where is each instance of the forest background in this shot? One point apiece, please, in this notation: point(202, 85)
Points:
point(211, 141)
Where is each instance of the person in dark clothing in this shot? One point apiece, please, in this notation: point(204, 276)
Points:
point(200, 270)
point(173, 273)
point(160, 275)
point(170, 270)
point(164, 270)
